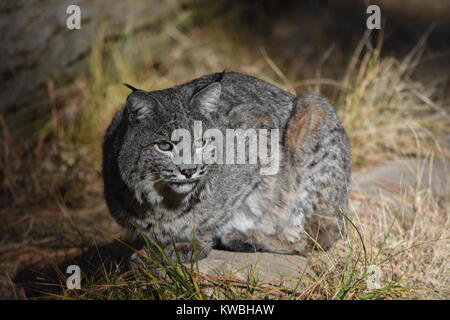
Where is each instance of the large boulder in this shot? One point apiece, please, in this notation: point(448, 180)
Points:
point(38, 50)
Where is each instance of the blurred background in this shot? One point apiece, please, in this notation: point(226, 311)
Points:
point(60, 89)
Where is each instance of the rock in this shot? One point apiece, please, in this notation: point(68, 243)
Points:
point(37, 48)
point(401, 175)
point(274, 269)
point(399, 179)
point(398, 185)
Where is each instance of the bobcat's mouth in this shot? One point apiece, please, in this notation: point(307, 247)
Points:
point(185, 186)
point(183, 182)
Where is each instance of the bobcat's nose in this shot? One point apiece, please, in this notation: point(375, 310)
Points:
point(188, 172)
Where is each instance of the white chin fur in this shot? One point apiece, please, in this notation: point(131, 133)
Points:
point(182, 188)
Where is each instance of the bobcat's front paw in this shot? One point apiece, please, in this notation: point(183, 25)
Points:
point(183, 252)
point(140, 259)
point(186, 252)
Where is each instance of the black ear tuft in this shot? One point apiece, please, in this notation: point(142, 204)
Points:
point(220, 75)
point(129, 86)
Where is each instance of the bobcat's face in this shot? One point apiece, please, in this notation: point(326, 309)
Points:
point(161, 153)
point(148, 159)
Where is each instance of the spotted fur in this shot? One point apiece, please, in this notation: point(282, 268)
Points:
point(229, 206)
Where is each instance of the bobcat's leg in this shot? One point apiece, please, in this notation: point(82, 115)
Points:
point(324, 230)
point(317, 169)
point(317, 152)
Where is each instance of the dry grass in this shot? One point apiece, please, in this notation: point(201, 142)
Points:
point(386, 113)
point(405, 245)
point(408, 242)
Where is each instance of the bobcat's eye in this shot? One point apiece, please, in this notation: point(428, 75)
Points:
point(165, 146)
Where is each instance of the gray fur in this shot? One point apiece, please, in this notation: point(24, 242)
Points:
point(229, 206)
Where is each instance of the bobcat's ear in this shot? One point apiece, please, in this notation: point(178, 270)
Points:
point(141, 104)
point(207, 99)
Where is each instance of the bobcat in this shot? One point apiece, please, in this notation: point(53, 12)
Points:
point(189, 209)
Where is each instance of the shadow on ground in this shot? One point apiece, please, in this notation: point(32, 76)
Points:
point(45, 281)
